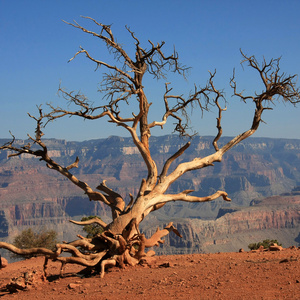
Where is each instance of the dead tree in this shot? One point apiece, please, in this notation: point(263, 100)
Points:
point(121, 242)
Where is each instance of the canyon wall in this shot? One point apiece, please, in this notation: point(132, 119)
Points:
point(276, 217)
point(31, 195)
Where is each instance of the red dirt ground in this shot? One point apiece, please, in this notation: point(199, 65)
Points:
point(247, 275)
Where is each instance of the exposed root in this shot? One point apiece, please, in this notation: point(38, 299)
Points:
point(31, 251)
point(105, 263)
point(104, 250)
point(93, 244)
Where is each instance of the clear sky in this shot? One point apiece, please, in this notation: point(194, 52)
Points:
point(35, 46)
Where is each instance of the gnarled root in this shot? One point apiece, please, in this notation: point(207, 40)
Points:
point(107, 249)
point(90, 244)
point(105, 263)
point(31, 251)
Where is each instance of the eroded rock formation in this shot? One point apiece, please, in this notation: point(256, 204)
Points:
point(33, 196)
point(272, 218)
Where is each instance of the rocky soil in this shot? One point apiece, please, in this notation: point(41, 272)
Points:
point(246, 275)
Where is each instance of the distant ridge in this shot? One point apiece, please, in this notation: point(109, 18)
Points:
point(31, 195)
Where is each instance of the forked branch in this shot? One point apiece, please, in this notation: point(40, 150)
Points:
point(277, 86)
point(171, 159)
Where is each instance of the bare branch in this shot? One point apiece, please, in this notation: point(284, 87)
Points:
point(184, 196)
point(117, 202)
point(156, 238)
point(42, 154)
point(200, 98)
point(130, 203)
point(74, 164)
point(171, 159)
point(277, 87)
point(101, 63)
point(142, 187)
point(90, 221)
point(109, 40)
point(276, 84)
point(218, 95)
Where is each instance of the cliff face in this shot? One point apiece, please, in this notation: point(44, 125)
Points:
point(3, 225)
point(272, 218)
point(31, 195)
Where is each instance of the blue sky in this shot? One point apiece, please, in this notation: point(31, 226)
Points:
point(35, 46)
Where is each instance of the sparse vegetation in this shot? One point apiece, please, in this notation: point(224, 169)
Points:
point(92, 229)
point(29, 239)
point(265, 243)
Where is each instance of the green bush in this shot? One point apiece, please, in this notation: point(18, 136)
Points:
point(265, 243)
point(92, 229)
point(30, 239)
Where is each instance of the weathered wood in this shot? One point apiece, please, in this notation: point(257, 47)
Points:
point(121, 242)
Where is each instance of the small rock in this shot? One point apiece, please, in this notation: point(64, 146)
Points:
point(165, 265)
point(3, 263)
point(73, 285)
